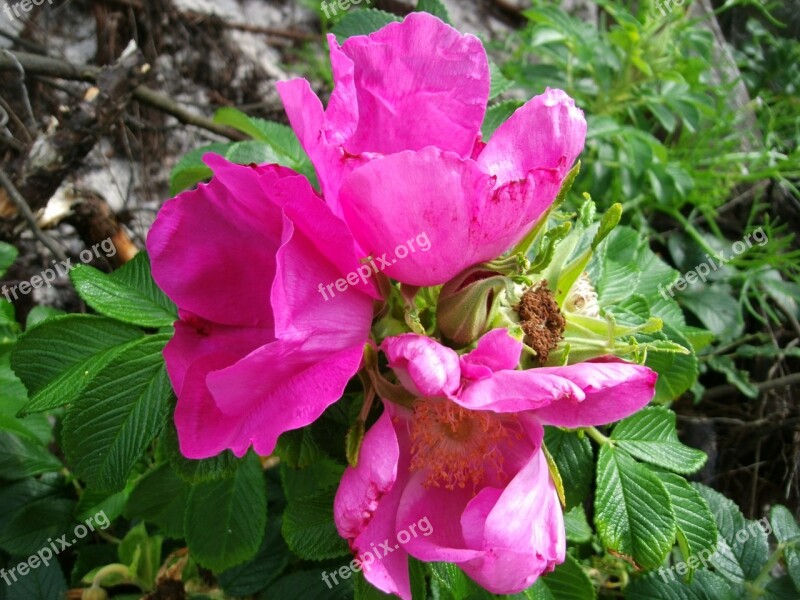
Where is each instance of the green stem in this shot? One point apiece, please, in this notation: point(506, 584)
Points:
point(598, 437)
point(109, 570)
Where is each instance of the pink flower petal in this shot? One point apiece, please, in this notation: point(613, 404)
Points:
point(390, 202)
point(517, 391)
point(367, 501)
point(325, 319)
point(203, 430)
point(546, 133)
point(423, 366)
point(523, 531)
point(614, 389)
point(195, 337)
point(497, 350)
point(213, 249)
point(503, 537)
point(443, 509)
point(415, 84)
point(281, 386)
point(322, 135)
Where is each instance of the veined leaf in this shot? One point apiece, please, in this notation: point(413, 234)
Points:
point(119, 414)
point(633, 511)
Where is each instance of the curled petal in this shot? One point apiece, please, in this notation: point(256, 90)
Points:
point(613, 390)
point(497, 350)
point(547, 133)
point(517, 391)
point(423, 366)
point(367, 501)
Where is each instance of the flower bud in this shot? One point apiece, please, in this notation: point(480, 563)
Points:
point(468, 304)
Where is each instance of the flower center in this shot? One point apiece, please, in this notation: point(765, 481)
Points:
point(541, 320)
point(455, 445)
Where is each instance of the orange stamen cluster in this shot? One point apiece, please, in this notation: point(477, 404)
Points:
point(455, 445)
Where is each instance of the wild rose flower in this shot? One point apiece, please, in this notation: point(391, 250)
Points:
point(468, 458)
point(398, 149)
point(257, 350)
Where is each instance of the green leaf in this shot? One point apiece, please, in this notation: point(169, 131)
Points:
point(22, 457)
point(742, 548)
point(573, 456)
point(120, 412)
point(362, 22)
point(453, 579)
point(28, 529)
point(141, 553)
point(278, 136)
point(57, 359)
point(499, 83)
point(191, 169)
point(309, 529)
point(718, 311)
point(567, 582)
point(45, 582)
point(696, 529)
point(663, 585)
point(128, 294)
point(633, 511)
point(160, 497)
point(738, 377)
point(650, 435)
point(257, 573)
point(195, 471)
point(225, 519)
point(418, 573)
point(353, 441)
point(311, 585)
point(664, 115)
point(298, 448)
point(577, 527)
point(300, 483)
point(8, 254)
point(40, 314)
point(787, 532)
point(676, 372)
point(434, 7)
point(496, 115)
point(93, 502)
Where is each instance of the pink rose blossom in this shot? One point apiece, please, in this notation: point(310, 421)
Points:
point(257, 350)
point(398, 149)
point(468, 458)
